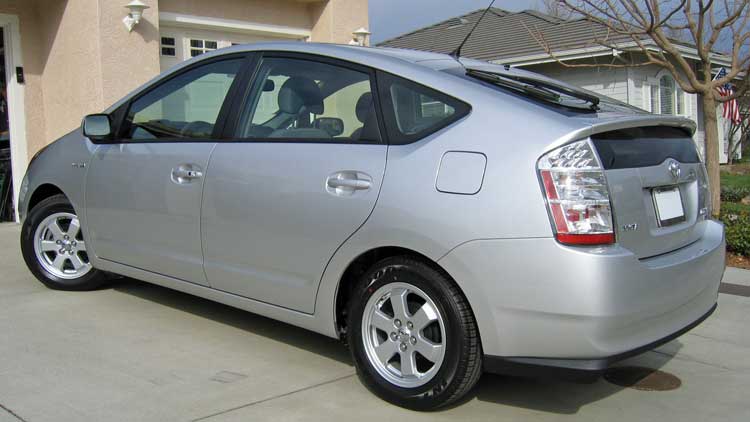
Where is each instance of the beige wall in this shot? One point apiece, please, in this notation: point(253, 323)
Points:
point(70, 89)
point(32, 53)
point(270, 12)
point(128, 59)
point(334, 20)
point(79, 58)
point(329, 20)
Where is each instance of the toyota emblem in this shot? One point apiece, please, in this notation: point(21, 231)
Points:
point(674, 169)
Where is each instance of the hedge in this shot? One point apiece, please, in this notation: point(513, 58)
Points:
point(734, 193)
point(736, 219)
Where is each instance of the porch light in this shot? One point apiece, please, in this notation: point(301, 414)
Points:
point(134, 17)
point(360, 36)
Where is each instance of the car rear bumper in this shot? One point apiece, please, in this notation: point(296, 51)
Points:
point(537, 298)
point(580, 370)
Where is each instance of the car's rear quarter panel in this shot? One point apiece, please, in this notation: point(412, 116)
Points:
point(412, 213)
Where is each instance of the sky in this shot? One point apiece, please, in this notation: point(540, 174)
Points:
point(391, 18)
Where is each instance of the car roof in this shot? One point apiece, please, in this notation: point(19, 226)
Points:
point(406, 63)
point(379, 57)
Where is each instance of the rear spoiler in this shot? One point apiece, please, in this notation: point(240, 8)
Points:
point(606, 125)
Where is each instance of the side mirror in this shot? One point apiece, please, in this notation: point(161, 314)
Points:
point(97, 127)
point(331, 125)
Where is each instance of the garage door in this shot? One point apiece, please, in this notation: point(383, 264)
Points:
point(179, 44)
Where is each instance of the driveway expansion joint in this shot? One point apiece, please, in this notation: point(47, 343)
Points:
point(12, 413)
point(278, 396)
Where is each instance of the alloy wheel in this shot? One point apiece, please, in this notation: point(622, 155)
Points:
point(404, 335)
point(60, 248)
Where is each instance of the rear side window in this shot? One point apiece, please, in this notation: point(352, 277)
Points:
point(300, 100)
point(414, 111)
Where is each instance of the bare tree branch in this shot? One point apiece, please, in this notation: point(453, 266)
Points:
point(652, 27)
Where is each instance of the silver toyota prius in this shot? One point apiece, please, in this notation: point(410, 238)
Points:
point(443, 217)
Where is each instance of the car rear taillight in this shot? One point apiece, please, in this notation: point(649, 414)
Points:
point(577, 195)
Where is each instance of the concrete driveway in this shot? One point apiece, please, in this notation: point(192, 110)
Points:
point(137, 352)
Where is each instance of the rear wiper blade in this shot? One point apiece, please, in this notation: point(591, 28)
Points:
point(536, 83)
point(496, 79)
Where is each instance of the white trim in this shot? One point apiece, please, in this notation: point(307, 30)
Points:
point(598, 51)
point(19, 155)
point(231, 25)
point(630, 90)
point(580, 53)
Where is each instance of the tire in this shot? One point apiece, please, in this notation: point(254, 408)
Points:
point(43, 238)
point(430, 380)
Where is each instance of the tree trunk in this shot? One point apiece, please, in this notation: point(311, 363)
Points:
point(711, 128)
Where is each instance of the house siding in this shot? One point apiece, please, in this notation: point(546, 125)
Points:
point(610, 82)
point(629, 85)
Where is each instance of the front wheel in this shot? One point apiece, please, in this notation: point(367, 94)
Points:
point(413, 335)
point(54, 249)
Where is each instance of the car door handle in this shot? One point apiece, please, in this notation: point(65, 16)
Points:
point(346, 183)
point(185, 173)
point(355, 184)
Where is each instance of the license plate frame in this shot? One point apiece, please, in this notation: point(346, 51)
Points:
point(669, 206)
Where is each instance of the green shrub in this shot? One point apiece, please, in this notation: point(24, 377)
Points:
point(737, 229)
point(735, 208)
point(734, 193)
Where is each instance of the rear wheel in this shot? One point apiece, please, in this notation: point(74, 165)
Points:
point(413, 336)
point(54, 249)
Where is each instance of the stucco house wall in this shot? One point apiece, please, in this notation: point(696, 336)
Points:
point(78, 57)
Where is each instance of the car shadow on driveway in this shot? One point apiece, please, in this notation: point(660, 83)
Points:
point(237, 318)
point(561, 397)
point(545, 395)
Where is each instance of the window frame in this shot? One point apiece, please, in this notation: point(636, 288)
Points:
point(203, 49)
point(119, 116)
point(249, 91)
point(395, 136)
point(654, 104)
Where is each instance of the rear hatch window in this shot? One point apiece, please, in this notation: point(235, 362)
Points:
point(635, 147)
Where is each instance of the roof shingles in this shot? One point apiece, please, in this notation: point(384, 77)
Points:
point(504, 35)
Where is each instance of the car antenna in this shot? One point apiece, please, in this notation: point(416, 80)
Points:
point(456, 54)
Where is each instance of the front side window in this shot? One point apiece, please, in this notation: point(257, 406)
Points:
point(186, 106)
point(415, 111)
point(302, 100)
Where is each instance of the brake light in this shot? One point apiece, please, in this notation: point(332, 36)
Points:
point(577, 195)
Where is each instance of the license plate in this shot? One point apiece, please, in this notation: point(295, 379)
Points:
point(668, 204)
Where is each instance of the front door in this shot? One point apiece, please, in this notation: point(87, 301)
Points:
point(301, 174)
point(144, 192)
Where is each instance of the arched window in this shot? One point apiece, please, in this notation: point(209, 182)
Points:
point(671, 97)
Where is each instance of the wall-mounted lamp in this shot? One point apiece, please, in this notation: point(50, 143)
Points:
point(360, 37)
point(134, 17)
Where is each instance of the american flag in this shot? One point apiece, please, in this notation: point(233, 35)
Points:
point(731, 107)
